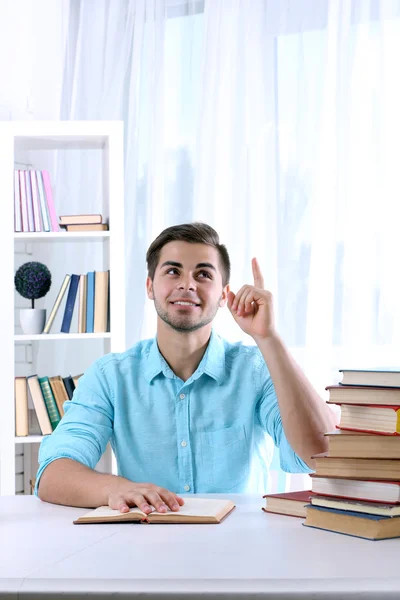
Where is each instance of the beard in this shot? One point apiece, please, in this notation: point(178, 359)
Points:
point(185, 323)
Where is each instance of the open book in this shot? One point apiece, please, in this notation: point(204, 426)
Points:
point(195, 510)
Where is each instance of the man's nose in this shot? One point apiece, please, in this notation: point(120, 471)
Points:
point(187, 283)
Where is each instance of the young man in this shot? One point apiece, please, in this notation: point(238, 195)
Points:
point(187, 411)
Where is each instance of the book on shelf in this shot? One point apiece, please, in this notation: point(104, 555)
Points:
point(91, 219)
point(373, 419)
point(372, 508)
point(59, 392)
point(23, 202)
point(88, 227)
point(42, 201)
point(90, 302)
point(357, 489)
point(288, 503)
point(21, 406)
point(34, 209)
point(69, 385)
point(50, 201)
point(39, 404)
point(17, 204)
point(355, 444)
point(28, 195)
point(195, 510)
point(363, 525)
point(51, 405)
point(69, 306)
point(357, 468)
point(57, 303)
point(100, 301)
point(35, 200)
point(82, 304)
point(340, 394)
point(371, 377)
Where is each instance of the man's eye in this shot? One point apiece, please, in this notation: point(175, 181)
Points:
point(205, 274)
point(172, 271)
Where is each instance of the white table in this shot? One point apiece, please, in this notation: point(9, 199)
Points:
point(249, 555)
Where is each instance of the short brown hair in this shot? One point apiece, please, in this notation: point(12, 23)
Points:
point(194, 233)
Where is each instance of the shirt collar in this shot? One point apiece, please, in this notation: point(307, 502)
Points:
point(212, 363)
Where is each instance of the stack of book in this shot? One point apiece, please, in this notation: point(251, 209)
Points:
point(90, 292)
point(82, 223)
point(48, 395)
point(356, 485)
point(33, 202)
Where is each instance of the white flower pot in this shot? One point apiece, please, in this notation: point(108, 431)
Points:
point(32, 320)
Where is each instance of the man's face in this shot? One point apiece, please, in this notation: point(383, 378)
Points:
point(187, 287)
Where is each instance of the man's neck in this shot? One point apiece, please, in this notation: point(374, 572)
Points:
point(182, 351)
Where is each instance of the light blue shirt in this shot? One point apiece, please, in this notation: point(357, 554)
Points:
point(211, 433)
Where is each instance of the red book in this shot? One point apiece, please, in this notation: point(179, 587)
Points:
point(292, 504)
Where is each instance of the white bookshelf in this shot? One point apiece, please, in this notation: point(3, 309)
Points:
point(25, 137)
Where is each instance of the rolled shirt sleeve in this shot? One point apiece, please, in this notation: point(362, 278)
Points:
point(270, 419)
point(86, 427)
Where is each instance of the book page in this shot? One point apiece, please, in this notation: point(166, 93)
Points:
point(198, 507)
point(106, 511)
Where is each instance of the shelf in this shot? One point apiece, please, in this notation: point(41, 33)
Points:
point(29, 439)
point(61, 336)
point(60, 236)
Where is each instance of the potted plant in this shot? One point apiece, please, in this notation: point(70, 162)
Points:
point(32, 280)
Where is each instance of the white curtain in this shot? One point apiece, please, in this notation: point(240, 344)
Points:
point(278, 124)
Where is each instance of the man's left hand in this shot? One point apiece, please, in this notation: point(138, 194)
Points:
point(252, 307)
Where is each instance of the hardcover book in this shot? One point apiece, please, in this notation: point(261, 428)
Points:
point(377, 377)
point(357, 394)
point(370, 527)
point(195, 510)
point(288, 503)
point(69, 306)
point(357, 468)
point(352, 444)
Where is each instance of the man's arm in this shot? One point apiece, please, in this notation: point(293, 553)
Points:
point(68, 482)
point(305, 416)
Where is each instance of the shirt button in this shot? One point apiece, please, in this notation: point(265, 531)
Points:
point(186, 488)
point(183, 444)
point(182, 396)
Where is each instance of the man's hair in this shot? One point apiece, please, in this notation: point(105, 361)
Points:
point(194, 233)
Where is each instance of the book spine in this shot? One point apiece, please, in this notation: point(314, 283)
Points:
point(39, 404)
point(101, 301)
point(17, 204)
point(24, 208)
point(57, 303)
point(69, 386)
point(90, 303)
point(35, 201)
point(69, 306)
point(31, 222)
point(21, 406)
point(42, 200)
point(82, 304)
point(50, 402)
point(50, 201)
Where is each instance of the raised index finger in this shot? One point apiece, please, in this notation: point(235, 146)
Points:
point(258, 278)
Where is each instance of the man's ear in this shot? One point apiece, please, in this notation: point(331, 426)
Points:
point(149, 288)
point(224, 296)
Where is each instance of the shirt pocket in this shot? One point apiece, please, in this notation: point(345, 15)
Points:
point(225, 457)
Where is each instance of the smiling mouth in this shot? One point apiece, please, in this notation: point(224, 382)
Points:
point(181, 303)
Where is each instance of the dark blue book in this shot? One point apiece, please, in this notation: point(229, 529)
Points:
point(363, 525)
point(69, 306)
point(90, 303)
